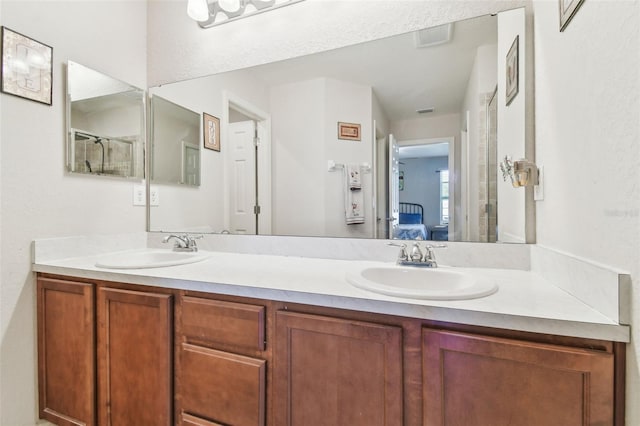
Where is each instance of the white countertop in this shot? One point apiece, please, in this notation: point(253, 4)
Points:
point(525, 301)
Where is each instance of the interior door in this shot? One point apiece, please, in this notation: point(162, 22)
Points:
point(394, 190)
point(242, 217)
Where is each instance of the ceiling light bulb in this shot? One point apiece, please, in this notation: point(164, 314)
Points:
point(230, 6)
point(198, 10)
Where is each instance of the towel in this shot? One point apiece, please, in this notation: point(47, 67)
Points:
point(353, 176)
point(354, 196)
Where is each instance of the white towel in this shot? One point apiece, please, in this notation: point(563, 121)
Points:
point(353, 176)
point(353, 196)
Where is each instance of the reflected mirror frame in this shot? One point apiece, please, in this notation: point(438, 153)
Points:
point(139, 163)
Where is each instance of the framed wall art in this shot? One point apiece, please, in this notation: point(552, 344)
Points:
point(349, 131)
point(568, 9)
point(211, 132)
point(511, 88)
point(26, 67)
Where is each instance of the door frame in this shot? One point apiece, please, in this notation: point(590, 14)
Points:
point(453, 172)
point(263, 124)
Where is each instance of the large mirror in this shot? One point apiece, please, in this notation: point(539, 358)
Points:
point(394, 138)
point(105, 124)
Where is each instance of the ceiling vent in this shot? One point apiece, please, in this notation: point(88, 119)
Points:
point(434, 36)
point(425, 110)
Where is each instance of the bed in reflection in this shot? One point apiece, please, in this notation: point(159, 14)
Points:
point(411, 226)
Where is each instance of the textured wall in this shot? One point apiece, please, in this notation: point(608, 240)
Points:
point(38, 199)
point(307, 27)
point(587, 138)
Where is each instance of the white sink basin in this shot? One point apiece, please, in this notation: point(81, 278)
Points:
point(421, 283)
point(149, 259)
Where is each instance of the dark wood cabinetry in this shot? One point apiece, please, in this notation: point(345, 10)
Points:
point(331, 371)
point(221, 371)
point(66, 352)
point(115, 354)
point(135, 363)
point(479, 380)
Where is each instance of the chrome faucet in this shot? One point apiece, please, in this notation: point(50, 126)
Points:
point(417, 258)
point(183, 242)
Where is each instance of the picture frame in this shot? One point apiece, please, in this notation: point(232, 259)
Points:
point(349, 131)
point(568, 9)
point(26, 67)
point(211, 132)
point(512, 72)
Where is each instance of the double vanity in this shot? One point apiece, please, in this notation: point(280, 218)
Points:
point(131, 331)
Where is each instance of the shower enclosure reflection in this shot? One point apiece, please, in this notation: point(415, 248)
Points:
point(105, 124)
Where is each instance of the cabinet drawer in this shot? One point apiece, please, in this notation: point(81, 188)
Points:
point(223, 387)
point(189, 420)
point(236, 324)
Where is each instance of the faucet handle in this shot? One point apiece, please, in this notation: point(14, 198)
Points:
point(403, 255)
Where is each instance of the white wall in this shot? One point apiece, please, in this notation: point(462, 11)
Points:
point(308, 199)
point(39, 199)
point(297, 158)
point(587, 109)
point(511, 128)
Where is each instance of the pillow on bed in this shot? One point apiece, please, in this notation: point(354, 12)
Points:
point(410, 218)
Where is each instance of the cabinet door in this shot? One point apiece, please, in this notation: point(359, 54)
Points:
point(331, 371)
point(476, 380)
point(66, 352)
point(134, 358)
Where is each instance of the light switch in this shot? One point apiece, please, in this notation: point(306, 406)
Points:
point(139, 195)
point(154, 196)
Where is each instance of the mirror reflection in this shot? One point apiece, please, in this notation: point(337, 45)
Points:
point(105, 124)
point(394, 138)
point(175, 147)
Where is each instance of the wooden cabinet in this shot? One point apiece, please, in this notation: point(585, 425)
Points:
point(135, 363)
point(478, 380)
point(66, 352)
point(217, 383)
point(104, 354)
point(105, 357)
point(331, 371)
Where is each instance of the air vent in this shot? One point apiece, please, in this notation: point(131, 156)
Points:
point(434, 36)
point(425, 110)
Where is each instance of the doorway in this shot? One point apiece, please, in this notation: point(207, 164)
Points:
point(247, 167)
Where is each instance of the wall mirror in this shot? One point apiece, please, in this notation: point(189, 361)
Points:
point(105, 124)
point(175, 143)
point(394, 138)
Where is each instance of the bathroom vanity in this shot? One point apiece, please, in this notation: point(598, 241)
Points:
point(244, 339)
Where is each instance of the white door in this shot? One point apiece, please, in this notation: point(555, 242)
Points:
point(394, 190)
point(242, 173)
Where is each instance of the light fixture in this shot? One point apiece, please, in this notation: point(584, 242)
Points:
point(210, 13)
point(198, 10)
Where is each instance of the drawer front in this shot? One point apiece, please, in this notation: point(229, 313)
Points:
point(189, 420)
point(221, 387)
point(228, 323)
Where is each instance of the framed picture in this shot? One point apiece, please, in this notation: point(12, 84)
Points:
point(211, 132)
point(568, 9)
point(512, 71)
point(349, 131)
point(26, 67)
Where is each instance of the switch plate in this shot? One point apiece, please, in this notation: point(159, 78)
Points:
point(154, 198)
point(139, 195)
point(538, 190)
